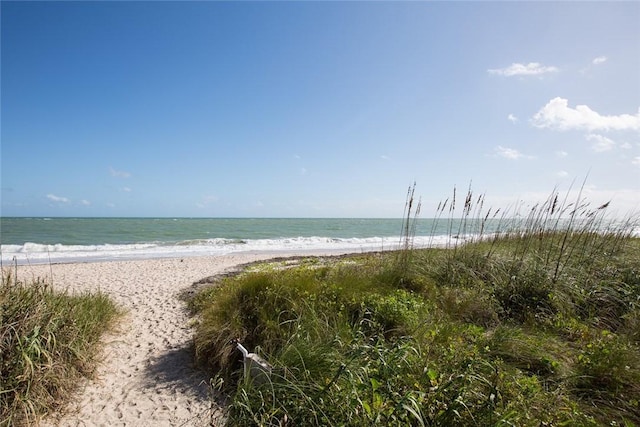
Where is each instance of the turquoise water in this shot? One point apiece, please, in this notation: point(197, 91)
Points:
point(93, 231)
point(43, 240)
point(77, 239)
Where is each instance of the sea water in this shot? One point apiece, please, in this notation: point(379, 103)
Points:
point(44, 240)
point(55, 240)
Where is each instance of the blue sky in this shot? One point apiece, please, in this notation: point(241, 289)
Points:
point(314, 109)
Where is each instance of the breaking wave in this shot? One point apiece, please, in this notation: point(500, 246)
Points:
point(35, 253)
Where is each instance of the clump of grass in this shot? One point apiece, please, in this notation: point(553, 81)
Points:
point(529, 322)
point(48, 340)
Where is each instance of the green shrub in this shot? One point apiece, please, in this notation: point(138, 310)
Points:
point(535, 324)
point(48, 340)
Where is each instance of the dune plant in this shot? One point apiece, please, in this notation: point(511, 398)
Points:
point(530, 320)
point(408, 232)
point(48, 340)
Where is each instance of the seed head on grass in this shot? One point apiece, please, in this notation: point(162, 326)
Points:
point(533, 321)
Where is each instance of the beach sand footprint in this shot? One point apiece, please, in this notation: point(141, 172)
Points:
point(146, 375)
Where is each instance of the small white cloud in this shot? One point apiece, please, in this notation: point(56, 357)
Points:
point(508, 153)
point(85, 203)
point(126, 189)
point(558, 115)
point(530, 69)
point(207, 200)
point(384, 157)
point(119, 174)
point(636, 161)
point(625, 145)
point(562, 174)
point(599, 60)
point(561, 154)
point(57, 199)
point(513, 119)
point(600, 143)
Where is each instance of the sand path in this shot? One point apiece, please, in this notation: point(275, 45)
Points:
point(146, 377)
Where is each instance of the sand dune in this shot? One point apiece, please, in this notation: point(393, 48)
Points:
point(146, 377)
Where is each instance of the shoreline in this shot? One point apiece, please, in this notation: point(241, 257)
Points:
point(145, 373)
point(53, 258)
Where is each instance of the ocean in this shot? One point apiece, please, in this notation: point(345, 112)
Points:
point(44, 240)
point(57, 240)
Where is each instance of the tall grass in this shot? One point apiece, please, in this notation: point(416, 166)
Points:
point(530, 320)
point(48, 340)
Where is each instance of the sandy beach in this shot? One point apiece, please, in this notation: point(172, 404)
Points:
point(146, 375)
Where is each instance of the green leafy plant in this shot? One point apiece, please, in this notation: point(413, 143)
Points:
point(48, 340)
point(527, 321)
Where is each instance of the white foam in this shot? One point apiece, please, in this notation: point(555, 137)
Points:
point(35, 253)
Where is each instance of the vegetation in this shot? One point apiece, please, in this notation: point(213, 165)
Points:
point(534, 323)
point(48, 340)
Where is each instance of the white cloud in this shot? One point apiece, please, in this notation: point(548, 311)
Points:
point(85, 203)
point(508, 153)
point(57, 199)
point(119, 174)
point(207, 200)
point(636, 161)
point(530, 69)
point(561, 154)
point(384, 157)
point(126, 189)
point(559, 116)
point(562, 174)
point(600, 143)
point(599, 60)
point(512, 118)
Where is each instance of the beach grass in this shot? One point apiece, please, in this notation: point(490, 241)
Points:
point(49, 340)
point(535, 324)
